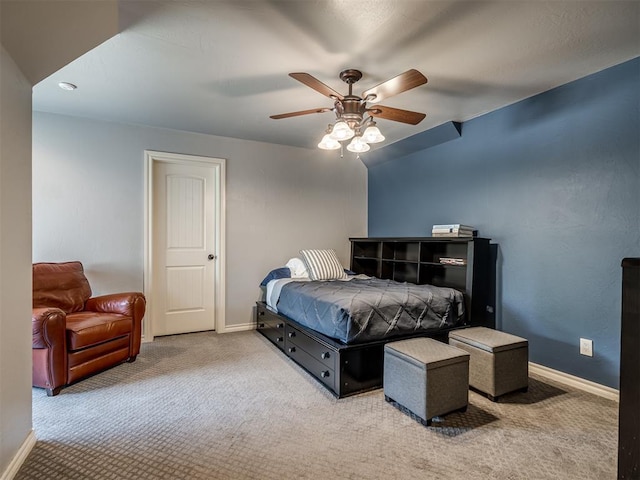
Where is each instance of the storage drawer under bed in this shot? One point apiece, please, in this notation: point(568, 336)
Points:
point(317, 369)
point(271, 327)
point(317, 351)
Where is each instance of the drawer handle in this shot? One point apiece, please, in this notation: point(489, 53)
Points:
point(324, 373)
point(292, 334)
point(261, 325)
point(292, 349)
point(280, 325)
point(325, 355)
point(279, 339)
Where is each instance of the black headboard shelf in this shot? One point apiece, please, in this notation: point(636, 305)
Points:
point(463, 263)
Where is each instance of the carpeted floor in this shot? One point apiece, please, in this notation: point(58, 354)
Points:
point(207, 406)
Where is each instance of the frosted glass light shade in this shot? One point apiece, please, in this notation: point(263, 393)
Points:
point(342, 131)
point(328, 143)
point(357, 145)
point(372, 135)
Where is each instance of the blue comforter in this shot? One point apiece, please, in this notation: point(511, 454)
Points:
point(362, 310)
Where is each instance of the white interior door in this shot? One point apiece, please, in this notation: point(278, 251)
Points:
point(184, 250)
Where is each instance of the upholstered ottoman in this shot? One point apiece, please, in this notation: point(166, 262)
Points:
point(427, 377)
point(499, 361)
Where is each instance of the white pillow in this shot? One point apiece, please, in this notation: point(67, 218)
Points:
point(323, 264)
point(297, 268)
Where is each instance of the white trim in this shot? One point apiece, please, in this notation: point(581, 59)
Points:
point(239, 328)
point(576, 382)
point(147, 334)
point(220, 249)
point(20, 456)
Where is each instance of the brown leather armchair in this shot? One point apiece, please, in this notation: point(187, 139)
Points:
point(74, 335)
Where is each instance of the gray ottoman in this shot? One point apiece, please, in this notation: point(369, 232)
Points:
point(499, 361)
point(427, 377)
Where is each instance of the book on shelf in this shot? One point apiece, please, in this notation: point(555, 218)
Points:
point(454, 235)
point(451, 228)
point(453, 261)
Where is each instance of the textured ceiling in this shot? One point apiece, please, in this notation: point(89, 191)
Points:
point(220, 67)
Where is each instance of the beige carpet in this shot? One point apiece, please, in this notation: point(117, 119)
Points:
point(207, 406)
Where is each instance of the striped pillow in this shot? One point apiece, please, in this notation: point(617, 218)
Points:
point(323, 264)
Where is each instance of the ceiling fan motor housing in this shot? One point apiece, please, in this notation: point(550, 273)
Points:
point(351, 109)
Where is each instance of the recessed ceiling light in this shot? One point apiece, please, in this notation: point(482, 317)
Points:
point(67, 86)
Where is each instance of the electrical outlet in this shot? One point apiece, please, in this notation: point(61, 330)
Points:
point(586, 347)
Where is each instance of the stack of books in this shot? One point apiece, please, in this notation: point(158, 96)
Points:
point(454, 230)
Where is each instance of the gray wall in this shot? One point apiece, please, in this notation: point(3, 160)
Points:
point(36, 41)
point(15, 260)
point(88, 185)
point(554, 181)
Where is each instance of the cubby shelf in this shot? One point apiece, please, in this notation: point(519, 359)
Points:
point(468, 266)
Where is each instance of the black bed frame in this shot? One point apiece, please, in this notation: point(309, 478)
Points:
point(350, 369)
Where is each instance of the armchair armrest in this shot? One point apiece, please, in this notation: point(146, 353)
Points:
point(131, 304)
point(49, 350)
point(48, 327)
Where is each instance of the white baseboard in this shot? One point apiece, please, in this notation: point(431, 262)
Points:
point(20, 457)
point(222, 329)
point(576, 382)
point(237, 328)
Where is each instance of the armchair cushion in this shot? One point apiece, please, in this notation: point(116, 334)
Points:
point(85, 329)
point(61, 285)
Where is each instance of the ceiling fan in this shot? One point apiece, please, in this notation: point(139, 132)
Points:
point(354, 117)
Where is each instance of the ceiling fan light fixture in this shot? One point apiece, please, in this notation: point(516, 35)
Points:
point(358, 145)
point(372, 135)
point(342, 131)
point(328, 143)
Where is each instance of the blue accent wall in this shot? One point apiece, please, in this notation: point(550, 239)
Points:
point(554, 180)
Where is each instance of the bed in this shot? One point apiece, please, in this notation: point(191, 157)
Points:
point(336, 328)
point(362, 309)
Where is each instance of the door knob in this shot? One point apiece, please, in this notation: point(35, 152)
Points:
point(211, 256)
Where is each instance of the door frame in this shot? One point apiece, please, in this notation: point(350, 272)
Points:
point(151, 158)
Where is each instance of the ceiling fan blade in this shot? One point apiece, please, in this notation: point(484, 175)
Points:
point(401, 83)
point(396, 114)
point(317, 85)
point(302, 112)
